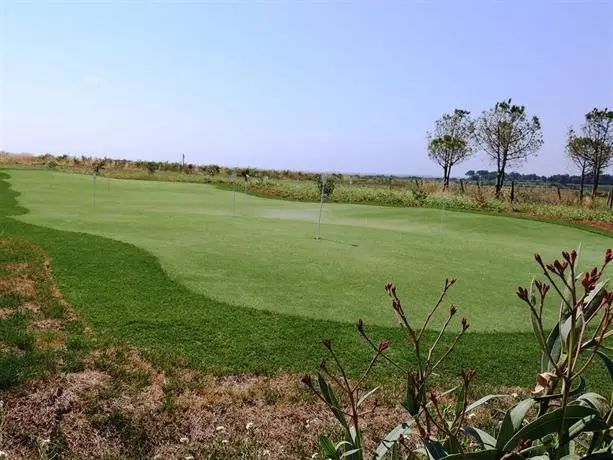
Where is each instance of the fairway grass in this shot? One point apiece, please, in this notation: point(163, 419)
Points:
point(267, 257)
point(171, 270)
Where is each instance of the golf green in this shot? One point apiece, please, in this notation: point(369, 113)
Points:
point(267, 257)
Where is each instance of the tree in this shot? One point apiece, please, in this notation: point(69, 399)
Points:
point(450, 143)
point(507, 136)
point(578, 149)
point(597, 142)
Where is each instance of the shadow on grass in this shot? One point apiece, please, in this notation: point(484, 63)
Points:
point(125, 295)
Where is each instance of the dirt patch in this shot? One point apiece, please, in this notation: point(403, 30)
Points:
point(10, 349)
point(598, 225)
point(22, 286)
point(29, 307)
point(48, 324)
point(6, 313)
point(17, 267)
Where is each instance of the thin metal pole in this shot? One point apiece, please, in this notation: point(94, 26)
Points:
point(94, 191)
point(246, 197)
point(234, 199)
point(321, 208)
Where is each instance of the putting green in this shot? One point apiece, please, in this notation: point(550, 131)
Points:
point(267, 256)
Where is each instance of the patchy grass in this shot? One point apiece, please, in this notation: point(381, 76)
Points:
point(32, 340)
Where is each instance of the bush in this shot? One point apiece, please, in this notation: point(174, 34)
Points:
point(328, 187)
point(568, 423)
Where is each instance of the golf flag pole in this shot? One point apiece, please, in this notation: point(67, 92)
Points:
point(233, 179)
point(94, 190)
point(246, 194)
point(324, 180)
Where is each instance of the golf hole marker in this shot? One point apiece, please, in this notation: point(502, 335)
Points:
point(233, 180)
point(324, 181)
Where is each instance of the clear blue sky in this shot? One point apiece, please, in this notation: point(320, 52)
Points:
point(316, 85)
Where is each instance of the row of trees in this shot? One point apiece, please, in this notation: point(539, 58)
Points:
point(485, 176)
point(508, 137)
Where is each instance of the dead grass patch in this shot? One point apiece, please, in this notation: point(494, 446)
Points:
point(29, 307)
point(47, 324)
point(19, 285)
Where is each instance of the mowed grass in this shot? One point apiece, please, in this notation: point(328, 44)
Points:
point(128, 294)
point(267, 258)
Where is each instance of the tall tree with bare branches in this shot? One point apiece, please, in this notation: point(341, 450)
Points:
point(450, 143)
point(508, 137)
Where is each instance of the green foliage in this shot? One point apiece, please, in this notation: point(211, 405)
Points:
point(328, 186)
point(507, 136)
point(451, 142)
point(563, 417)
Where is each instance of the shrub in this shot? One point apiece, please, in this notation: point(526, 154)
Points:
point(569, 423)
point(328, 187)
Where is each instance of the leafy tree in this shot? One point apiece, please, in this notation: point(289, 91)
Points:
point(151, 167)
point(507, 136)
point(597, 141)
point(450, 143)
point(578, 149)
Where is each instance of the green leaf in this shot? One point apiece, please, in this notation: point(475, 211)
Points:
point(567, 329)
point(363, 398)
point(411, 403)
point(593, 400)
point(587, 424)
point(598, 456)
point(328, 447)
point(551, 422)
point(607, 362)
point(341, 444)
point(512, 421)
point(594, 299)
point(491, 454)
point(481, 401)
point(351, 452)
point(391, 439)
point(554, 345)
point(328, 394)
point(484, 439)
point(452, 446)
point(435, 450)
point(536, 328)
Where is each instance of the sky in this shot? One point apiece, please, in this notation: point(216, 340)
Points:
point(350, 86)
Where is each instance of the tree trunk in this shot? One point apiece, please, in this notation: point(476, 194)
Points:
point(446, 170)
point(582, 186)
point(596, 180)
point(500, 176)
point(512, 191)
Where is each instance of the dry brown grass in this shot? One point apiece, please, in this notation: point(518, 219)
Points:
point(18, 285)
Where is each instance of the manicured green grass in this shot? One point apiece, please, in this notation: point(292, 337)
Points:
point(190, 302)
point(268, 258)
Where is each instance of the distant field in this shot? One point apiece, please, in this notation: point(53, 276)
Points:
point(267, 257)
